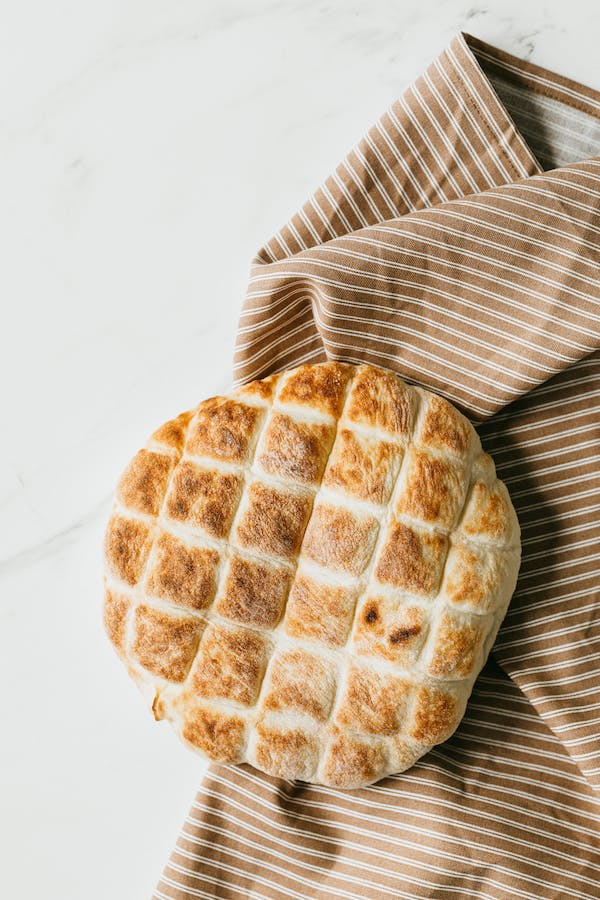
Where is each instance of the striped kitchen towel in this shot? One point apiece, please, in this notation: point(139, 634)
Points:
point(459, 245)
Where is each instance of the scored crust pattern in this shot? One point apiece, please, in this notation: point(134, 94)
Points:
point(308, 573)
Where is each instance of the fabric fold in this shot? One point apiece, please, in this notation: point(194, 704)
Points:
point(459, 245)
point(481, 298)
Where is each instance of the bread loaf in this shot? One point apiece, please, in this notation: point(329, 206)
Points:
point(308, 573)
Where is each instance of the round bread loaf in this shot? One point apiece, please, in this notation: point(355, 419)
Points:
point(308, 573)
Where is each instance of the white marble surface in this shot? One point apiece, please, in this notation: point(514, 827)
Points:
point(146, 150)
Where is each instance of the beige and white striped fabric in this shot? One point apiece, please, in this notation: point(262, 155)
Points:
point(458, 244)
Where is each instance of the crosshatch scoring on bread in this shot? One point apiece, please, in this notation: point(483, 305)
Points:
point(306, 574)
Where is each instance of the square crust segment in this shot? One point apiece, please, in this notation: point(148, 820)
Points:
point(307, 574)
point(363, 466)
point(295, 450)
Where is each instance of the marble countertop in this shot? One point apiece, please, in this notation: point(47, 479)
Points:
point(147, 149)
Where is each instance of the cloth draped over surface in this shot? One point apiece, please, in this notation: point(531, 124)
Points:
point(458, 244)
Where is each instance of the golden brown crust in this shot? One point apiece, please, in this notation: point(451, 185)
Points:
point(295, 450)
point(435, 716)
point(163, 644)
point(457, 645)
point(433, 489)
point(116, 607)
point(340, 540)
point(317, 611)
point(318, 564)
point(363, 467)
point(253, 594)
point(389, 629)
point(285, 752)
point(126, 547)
point(204, 498)
point(273, 521)
point(411, 559)
point(144, 482)
point(260, 390)
point(220, 735)
point(402, 753)
point(443, 428)
point(172, 434)
point(380, 400)
point(372, 703)
point(488, 513)
point(230, 664)
point(289, 675)
point(319, 387)
point(181, 573)
point(223, 429)
point(351, 761)
point(474, 576)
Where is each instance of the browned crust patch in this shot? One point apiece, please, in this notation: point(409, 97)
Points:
point(263, 389)
point(350, 761)
point(363, 467)
point(163, 644)
point(433, 490)
point(487, 513)
point(319, 612)
point(435, 716)
point(127, 545)
point(340, 540)
point(219, 735)
point(402, 754)
point(472, 577)
point(286, 753)
point(378, 398)
point(204, 498)
point(410, 559)
point(223, 429)
point(144, 482)
point(372, 703)
point(457, 646)
point(300, 682)
point(274, 521)
point(254, 594)
point(116, 607)
point(181, 573)
point(172, 434)
point(390, 630)
point(230, 664)
point(321, 387)
point(295, 450)
point(444, 428)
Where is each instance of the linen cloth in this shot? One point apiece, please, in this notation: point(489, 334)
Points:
point(459, 245)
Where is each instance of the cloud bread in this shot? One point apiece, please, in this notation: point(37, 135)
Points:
point(307, 574)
